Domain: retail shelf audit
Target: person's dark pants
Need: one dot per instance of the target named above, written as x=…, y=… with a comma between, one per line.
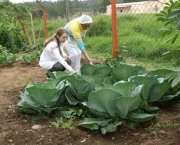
x=58, y=67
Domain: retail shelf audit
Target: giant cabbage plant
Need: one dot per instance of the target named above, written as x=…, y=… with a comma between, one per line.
x=110, y=94
x=42, y=98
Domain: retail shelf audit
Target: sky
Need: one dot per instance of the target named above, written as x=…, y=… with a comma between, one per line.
x=21, y=1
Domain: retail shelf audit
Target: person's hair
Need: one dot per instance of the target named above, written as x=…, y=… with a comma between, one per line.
x=55, y=36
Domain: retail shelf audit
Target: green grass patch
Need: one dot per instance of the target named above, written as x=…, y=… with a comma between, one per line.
x=138, y=36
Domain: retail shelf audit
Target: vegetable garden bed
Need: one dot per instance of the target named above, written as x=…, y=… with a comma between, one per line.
x=18, y=129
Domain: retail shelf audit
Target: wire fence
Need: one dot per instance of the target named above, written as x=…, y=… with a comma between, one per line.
x=138, y=28
x=139, y=32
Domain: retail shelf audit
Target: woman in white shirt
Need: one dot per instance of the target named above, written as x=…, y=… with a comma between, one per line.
x=53, y=57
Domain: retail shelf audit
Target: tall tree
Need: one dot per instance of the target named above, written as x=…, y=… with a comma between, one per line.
x=67, y=10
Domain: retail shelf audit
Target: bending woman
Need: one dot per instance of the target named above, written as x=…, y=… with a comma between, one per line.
x=76, y=29
x=53, y=57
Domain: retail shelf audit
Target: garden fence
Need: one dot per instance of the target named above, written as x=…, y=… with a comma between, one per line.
x=137, y=25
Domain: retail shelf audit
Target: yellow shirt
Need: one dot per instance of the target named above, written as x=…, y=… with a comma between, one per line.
x=76, y=29
x=76, y=32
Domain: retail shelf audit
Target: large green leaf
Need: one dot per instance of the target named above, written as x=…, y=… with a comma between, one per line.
x=175, y=82
x=102, y=101
x=48, y=85
x=101, y=122
x=94, y=79
x=151, y=108
x=123, y=105
x=83, y=96
x=29, y=101
x=166, y=98
x=88, y=69
x=43, y=96
x=160, y=73
x=80, y=85
x=48, y=110
x=26, y=99
x=95, y=112
x=178, y=20
x=81, y=88
x=147, y=83
x=123, y=72
x=57, y=74
x=170, y=76
x=110, y=127
x=141, y=117
x=157, y=91
x=106, y=86
x=109, y=80
x=61, y=85
x=174, y=14
x=71, y=99
x=127, y=89
x=140, y=70
x=104, y=71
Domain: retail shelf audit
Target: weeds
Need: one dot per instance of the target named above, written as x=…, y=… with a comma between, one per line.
x=67, y=125
x=123, y=137
x=11, y=108
x=162, y=126
x=57, y=123
x=132, y=125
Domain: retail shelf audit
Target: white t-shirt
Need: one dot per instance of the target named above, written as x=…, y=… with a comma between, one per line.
x=51, y=55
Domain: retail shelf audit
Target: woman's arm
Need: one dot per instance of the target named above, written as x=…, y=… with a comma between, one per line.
x=81, y=46
x=87, y=56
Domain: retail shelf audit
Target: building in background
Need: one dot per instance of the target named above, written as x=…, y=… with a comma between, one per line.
x=151, y=6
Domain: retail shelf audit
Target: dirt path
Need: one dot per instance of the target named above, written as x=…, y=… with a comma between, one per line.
x=16, y=129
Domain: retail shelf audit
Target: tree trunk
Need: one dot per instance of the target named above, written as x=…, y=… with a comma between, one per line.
x=67, y=10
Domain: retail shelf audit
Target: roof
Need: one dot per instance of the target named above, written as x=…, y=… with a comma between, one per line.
x=128, y=4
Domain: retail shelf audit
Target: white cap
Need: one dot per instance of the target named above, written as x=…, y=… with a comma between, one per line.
x=85, y=19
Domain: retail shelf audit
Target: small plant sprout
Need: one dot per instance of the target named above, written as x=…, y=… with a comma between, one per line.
x=30, y=80
x=123, y=136
x=58, y=122
x=132, y=125
x=11, y=108
x=68, y=125
x=151, y=128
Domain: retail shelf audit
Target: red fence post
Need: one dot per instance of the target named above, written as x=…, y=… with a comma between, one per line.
x=114, y=29
x=25, y=31
x=44, y=16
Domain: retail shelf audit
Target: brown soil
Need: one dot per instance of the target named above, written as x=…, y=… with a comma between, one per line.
x=17, y=130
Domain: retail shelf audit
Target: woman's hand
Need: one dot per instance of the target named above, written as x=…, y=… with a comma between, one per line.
x=67, y=57
x=90, y=62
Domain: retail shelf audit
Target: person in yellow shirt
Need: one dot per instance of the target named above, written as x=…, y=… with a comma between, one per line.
x=74, y=45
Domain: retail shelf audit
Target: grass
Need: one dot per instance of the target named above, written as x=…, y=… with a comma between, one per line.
x=150, y=64
x=138, y=37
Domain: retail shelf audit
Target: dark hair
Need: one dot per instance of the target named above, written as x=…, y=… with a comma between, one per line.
x=59, y=32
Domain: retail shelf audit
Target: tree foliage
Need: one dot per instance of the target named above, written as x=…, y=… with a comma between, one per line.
x=55, y=9
x=11, y=35
x=171, y=18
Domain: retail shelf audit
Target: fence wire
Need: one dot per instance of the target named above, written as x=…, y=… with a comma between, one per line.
x=138, y=28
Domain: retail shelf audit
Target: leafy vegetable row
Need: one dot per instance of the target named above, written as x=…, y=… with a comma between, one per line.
x=106, y=95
